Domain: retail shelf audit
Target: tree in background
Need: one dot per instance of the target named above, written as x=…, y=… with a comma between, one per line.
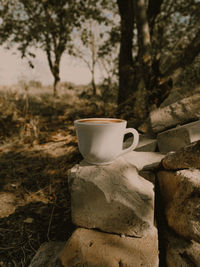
x=158, y=39
x=41, y=24
x=85, y=46
x=44, y=24
x=94, y=43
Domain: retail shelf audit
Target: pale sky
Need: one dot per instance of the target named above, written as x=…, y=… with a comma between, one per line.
x=13, y=69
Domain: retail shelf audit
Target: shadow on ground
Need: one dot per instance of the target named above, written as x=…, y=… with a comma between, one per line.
x=34, y=193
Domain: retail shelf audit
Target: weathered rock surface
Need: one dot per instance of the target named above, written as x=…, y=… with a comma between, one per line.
x=145, y=144
x=143, y=160
x=89, y=248
x=181, y=194
x=148, y=175
x=178, y=137
x=181, y=252
x=113, y=198
x=47, y=255
x=187, y=157
x=183, y=111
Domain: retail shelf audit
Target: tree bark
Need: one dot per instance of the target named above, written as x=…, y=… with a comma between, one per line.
x=153, y=10
x=144, y=41
x=126, y=44
x=93, y=64
x=93, y=84
x=54, y=68
x=144, y=55
x=56, y=80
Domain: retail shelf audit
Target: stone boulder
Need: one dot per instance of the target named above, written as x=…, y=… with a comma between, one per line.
x=176, y=138
x=113, y=198
x=47, y=255
x=181, y=252
x=187, y=157
x=89, y=248
x=180, y=112
x=180, y=191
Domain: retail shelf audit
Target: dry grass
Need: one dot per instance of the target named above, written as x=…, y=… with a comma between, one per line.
x=38, y=146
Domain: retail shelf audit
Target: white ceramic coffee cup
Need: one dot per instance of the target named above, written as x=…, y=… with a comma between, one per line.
x=100, y=140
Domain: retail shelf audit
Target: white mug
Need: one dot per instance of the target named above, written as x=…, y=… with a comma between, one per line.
x=100, y=140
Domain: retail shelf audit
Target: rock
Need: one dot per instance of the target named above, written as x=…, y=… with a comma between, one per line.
x=178, y=137
x=178, y=93
x=183, y=111
x=148, y=175
x=93, y=248
x=180, y=191
x=145, y=144
x=7, y=204
x=174, y=96
x=113, y=198
x=181, y=252
x=47, y=255
x=185, y=158
x=143, y=160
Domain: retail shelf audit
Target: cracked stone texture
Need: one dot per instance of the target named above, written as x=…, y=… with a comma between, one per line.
x=89, y=248
x=113, y=198
x=180, y=191
x=180, y=112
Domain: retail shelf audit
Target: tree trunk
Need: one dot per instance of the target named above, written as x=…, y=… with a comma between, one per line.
x=125, y=57
x=93, y=63
x=93, y=84
x=54, y=68
x=144, y=55
x=56, y=74
x=56, y=80
x=142, y=86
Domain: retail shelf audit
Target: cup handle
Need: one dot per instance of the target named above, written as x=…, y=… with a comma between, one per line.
x=135, y=140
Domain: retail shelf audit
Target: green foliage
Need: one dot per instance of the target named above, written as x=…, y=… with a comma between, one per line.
x=46, y=24
x=96, y=43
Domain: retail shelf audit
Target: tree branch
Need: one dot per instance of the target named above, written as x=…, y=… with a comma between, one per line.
x=153, y=10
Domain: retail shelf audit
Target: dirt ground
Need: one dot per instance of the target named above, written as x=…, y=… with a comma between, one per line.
x=38, y=146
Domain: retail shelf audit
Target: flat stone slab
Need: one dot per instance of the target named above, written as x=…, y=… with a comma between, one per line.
x=180, y=191
x=113, y=198
x=185, y=158
x=176, y=138
x=93, y=248
x=143, y=160
x=145, y=144
x=180, y=112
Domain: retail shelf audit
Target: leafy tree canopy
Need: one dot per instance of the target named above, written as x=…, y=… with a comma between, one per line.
x=45, y=24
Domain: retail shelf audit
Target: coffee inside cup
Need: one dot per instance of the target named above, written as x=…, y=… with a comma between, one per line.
x=100, y=121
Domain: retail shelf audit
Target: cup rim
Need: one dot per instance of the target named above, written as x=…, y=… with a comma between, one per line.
x=112, y=121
